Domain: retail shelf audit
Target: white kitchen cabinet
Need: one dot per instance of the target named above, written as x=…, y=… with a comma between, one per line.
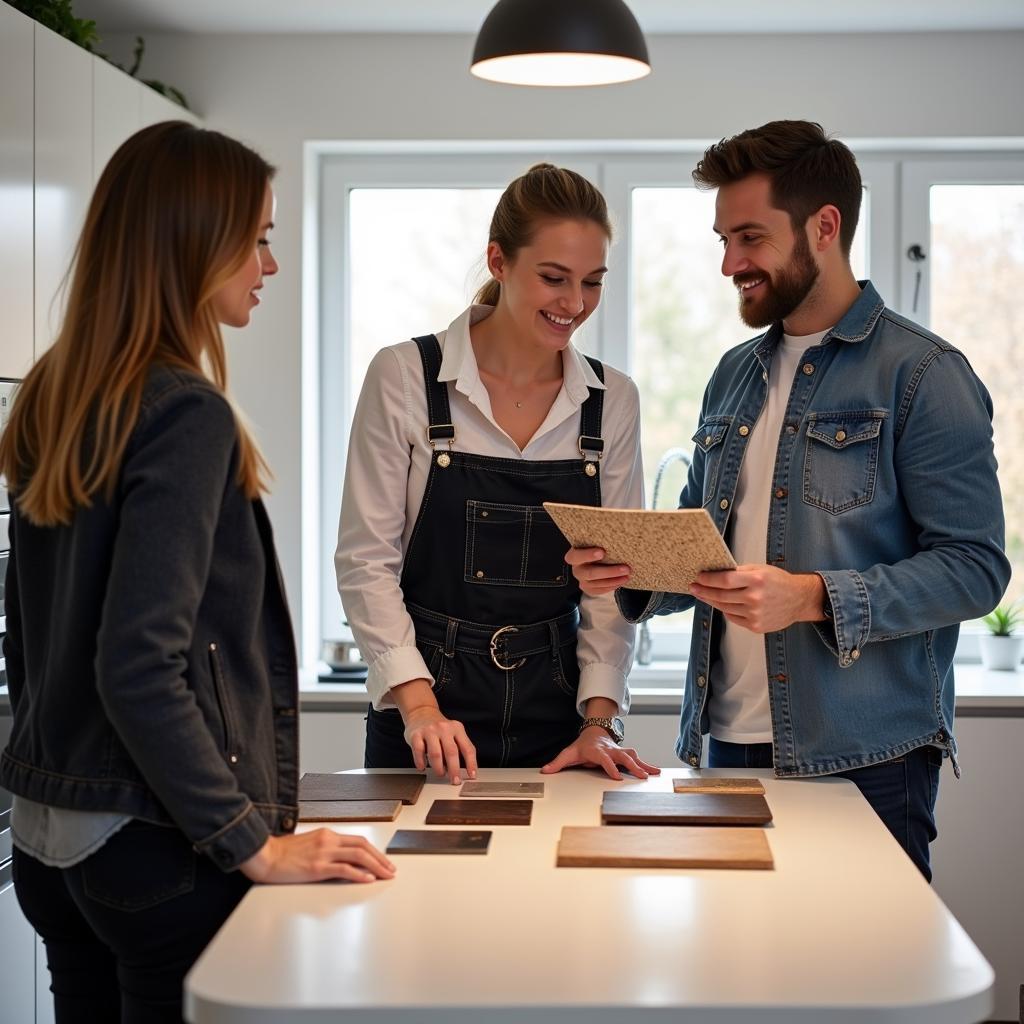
x=156, y=108
x=16, y=184
x=117, y=111
x=63, y=148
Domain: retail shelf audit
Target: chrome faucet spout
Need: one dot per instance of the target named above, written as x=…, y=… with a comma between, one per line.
x=643, y=645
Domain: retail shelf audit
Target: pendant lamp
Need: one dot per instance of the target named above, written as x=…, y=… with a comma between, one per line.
x=560, y=43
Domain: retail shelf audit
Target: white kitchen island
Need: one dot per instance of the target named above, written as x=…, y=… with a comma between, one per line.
x=843, y=930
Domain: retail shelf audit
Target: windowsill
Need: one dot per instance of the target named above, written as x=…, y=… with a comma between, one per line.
x=657, y=688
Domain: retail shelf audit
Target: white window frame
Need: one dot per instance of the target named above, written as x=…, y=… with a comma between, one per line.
x=897, y=181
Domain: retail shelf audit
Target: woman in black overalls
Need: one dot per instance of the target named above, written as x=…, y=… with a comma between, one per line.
x=483, y=578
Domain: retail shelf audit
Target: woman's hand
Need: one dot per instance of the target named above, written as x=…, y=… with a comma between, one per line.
x=594, y=748
x=595, y=579
x=315, y=857
x=439, y=742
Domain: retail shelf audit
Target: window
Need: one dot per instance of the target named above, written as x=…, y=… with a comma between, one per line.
x=967, y=217
x=401, y=236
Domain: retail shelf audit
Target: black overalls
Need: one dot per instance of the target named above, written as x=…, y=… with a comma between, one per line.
x=492, y=600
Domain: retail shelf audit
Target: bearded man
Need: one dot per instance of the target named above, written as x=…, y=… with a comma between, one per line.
x=846, y=456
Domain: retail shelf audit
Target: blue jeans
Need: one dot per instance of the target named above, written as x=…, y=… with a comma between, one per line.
x=901, y=792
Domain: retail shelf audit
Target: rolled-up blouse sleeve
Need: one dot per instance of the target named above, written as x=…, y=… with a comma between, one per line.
x=368, y=560
x=605, y=644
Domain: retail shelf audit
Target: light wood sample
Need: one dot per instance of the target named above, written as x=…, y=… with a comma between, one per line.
x=623, y=807
x=665, y=550
x=349, y=810
x=696, y=784
x=663, y=846
x=526, y=790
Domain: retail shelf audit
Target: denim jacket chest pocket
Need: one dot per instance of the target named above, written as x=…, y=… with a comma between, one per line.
x=708, y=439
x=841, y=458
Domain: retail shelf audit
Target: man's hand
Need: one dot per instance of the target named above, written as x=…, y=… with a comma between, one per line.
x=762, y=598
x=596, y=579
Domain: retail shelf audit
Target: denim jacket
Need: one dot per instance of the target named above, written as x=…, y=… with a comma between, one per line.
x=885, y=485
x=150, y=655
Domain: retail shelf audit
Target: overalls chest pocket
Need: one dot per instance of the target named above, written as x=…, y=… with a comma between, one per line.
x=841, y=458
x=708, y=439
x=513, y=546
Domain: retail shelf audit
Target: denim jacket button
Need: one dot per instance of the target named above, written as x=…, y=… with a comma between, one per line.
x=724, y=503
x=855, y=654
x=702, y=681
x=288, y=822
x=808, y=369
x=780, y=492
x=694, y=760
x=744, y=430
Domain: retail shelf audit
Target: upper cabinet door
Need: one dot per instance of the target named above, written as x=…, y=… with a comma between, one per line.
x=117, y=111
x=156, y=108
x=64, y=168
x=16, y=140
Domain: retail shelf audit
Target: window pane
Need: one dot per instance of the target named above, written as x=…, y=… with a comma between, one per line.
x=977, y=269
x=416, y=258
x=683, y=317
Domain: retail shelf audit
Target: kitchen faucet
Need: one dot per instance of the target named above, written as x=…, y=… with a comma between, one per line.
x=643, y=647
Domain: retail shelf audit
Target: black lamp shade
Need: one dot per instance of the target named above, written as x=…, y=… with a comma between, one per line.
x=560, y=42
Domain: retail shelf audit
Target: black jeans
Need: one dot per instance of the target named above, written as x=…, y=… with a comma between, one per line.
x=901, y=792
x=123, y=927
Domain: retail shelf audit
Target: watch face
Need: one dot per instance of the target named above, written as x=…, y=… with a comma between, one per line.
x=618, y=728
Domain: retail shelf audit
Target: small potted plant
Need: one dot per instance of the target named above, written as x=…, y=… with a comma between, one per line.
x=1001, y=647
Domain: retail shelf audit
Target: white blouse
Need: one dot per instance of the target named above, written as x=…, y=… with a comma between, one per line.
x=386, y=475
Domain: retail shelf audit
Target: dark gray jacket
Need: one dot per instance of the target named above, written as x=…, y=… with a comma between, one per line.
x=150, y=654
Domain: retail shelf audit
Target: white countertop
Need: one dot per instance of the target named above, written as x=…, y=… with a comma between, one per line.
x=843, y=931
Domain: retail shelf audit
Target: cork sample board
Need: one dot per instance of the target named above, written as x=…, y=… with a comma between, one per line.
x=480, y=812
x=406, y=788
x=664, y=846
x=622, y=807
x=349, y=810
x=489, y=790
x=665, y=550
x=751, y=787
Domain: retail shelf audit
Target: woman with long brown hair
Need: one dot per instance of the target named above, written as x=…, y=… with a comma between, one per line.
x=149, y=650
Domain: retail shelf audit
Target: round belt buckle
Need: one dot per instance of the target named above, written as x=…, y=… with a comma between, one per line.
x=494, y=649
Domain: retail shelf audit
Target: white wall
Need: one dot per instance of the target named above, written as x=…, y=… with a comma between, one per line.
x=275, y=92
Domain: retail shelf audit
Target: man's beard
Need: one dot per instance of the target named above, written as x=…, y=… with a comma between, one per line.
x=784, y=293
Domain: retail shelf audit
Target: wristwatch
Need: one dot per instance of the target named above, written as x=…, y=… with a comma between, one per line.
x=613, y=726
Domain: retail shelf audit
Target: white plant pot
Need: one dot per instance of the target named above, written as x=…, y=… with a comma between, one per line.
x=1002, y=652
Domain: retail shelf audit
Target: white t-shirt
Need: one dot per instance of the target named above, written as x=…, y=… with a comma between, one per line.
x=738, y=707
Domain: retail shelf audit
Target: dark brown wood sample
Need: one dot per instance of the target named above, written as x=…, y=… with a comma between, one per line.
x=696, y=784
x=623, y=807
x=663, y=846
x=349, y=810
x=480, y=812
x=314, y=786
x=407, y=840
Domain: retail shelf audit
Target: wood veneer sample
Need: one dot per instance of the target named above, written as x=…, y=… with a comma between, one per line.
x=753, y=787
x=314, y=786
x=349, y=810
x=663, y=846
x=496, y=789
x=480, y=812
x=623, y=807
x=407, y=840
